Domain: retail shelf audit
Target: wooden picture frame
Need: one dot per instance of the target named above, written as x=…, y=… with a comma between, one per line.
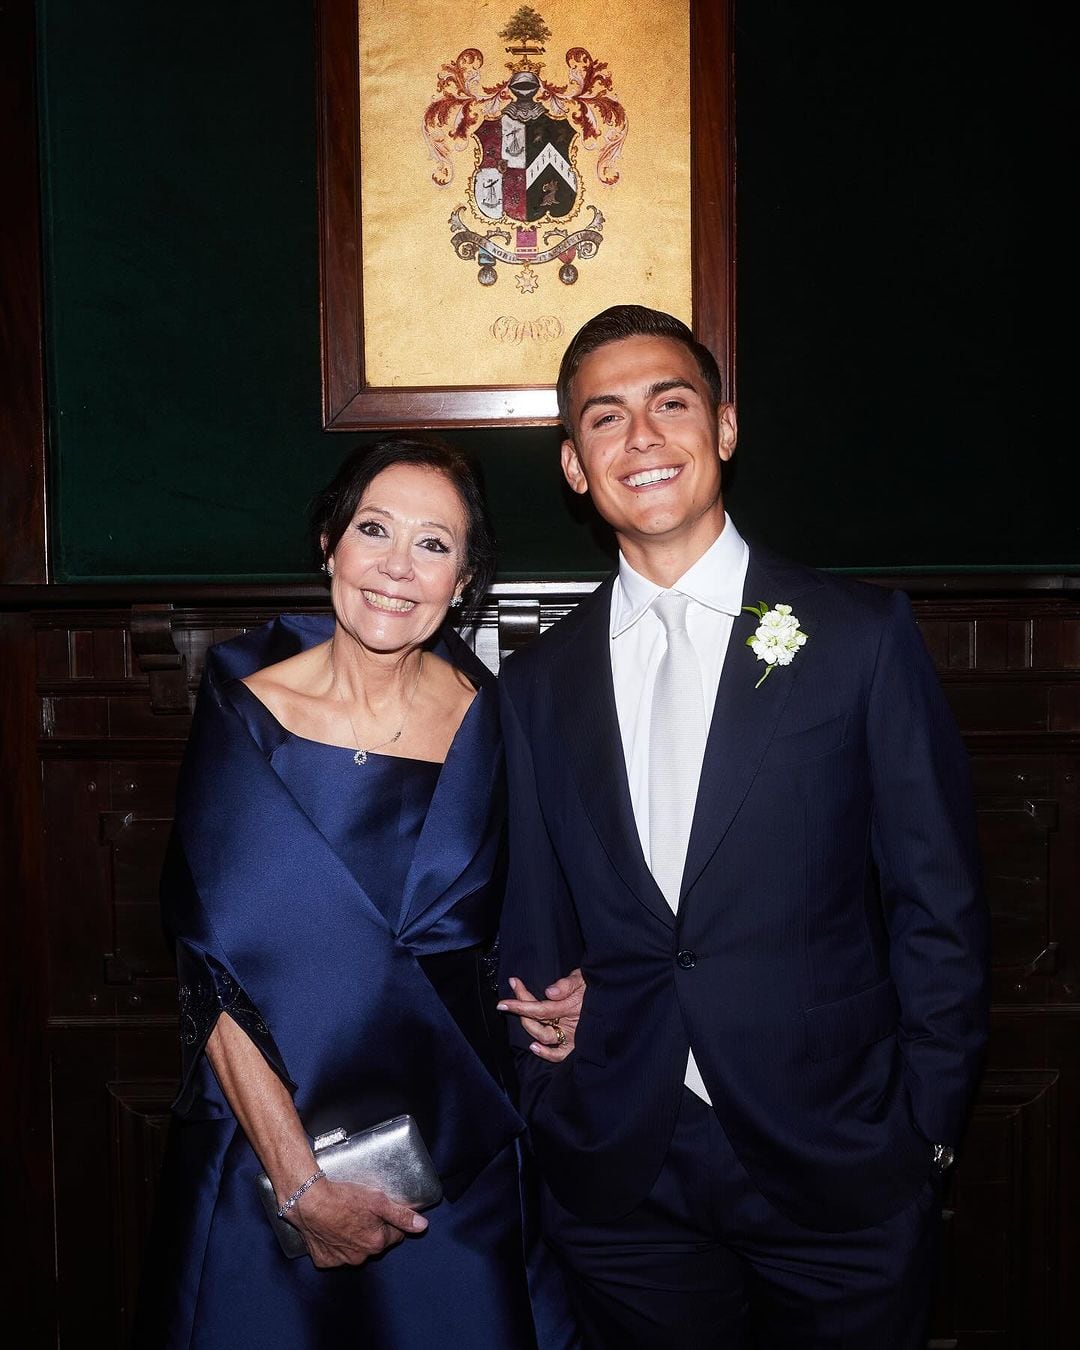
x=349, y=402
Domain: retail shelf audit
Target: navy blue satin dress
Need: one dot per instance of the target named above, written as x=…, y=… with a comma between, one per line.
x=342, y=915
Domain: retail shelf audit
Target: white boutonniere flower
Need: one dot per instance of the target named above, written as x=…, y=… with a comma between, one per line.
x=776, y=639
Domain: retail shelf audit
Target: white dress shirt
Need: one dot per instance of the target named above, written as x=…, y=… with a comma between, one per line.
x=714, y=587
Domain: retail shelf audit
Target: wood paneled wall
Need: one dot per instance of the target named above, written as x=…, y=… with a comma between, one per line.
x=96, y=711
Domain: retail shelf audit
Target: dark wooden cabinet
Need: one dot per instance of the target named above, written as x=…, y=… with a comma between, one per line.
x=1010, y=669
x=96, y=708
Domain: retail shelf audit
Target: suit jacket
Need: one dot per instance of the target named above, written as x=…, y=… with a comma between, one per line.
x=828, y=960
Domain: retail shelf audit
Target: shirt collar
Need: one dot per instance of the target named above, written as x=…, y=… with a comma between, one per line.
x=715, y=580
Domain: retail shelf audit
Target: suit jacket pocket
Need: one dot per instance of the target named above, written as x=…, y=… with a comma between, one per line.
x=850, y=1023
x=810, y=743
x=590, y=1040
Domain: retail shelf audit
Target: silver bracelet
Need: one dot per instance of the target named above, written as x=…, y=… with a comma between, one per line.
x=288, y=1204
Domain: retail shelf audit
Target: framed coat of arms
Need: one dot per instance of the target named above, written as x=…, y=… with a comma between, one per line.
x=491, y=176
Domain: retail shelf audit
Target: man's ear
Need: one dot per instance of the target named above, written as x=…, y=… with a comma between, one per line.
x=571, y=467
x=727, y=430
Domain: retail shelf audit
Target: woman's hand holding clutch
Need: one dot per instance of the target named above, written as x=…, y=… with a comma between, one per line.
x=343, y=1223
x=550, y=1021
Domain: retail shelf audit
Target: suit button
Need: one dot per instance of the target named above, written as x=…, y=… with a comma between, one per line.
x=687, y=959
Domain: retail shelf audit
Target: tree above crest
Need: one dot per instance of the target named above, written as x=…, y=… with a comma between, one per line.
x=526, y=26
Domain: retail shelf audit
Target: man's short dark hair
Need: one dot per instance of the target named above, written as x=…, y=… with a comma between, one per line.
x=626, y=321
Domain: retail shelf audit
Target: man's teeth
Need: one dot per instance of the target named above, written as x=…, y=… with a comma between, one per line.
x=648, y=476
x=398, y=605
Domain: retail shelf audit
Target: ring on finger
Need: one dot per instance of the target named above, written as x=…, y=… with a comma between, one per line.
x=559, y=1033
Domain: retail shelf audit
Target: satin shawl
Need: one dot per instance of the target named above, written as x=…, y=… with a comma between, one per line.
x=353, y=1025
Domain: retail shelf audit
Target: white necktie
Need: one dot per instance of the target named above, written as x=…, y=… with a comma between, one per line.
x=677, y=732
x=676, y=746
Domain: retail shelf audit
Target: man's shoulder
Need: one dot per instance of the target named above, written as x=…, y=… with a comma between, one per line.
x=791, y=581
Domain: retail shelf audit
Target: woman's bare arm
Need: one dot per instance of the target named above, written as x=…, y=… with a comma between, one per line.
x=343, y=1224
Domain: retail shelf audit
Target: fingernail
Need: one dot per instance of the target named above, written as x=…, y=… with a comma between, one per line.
x=500, y=1007
x=513, y=982
x=419, y=1223
x=534, y=1048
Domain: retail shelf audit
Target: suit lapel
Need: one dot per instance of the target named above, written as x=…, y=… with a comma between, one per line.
x=589, y=735
x=744, y=717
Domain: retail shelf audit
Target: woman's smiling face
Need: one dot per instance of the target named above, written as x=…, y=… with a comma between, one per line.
x=401, y=560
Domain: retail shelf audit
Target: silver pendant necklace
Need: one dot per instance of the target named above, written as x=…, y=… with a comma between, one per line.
x=360, y=758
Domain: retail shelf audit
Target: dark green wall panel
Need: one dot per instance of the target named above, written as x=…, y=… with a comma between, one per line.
x=184, y=371
x=903, y=395
x=896, y=408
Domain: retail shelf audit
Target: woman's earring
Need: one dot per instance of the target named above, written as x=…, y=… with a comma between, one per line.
x=456, y=601
x=328, y=569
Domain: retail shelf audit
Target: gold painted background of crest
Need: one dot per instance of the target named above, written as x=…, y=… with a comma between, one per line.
x=426, y=321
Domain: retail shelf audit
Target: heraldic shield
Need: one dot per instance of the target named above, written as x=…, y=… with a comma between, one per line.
x=525, y=171
x=526, y=132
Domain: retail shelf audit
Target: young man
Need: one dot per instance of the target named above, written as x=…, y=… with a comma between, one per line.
x=763, y=858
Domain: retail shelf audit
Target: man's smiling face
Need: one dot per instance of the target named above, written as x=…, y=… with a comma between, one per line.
x=648, y=443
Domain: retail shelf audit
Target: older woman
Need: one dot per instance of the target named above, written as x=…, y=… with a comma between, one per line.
x=333, y=886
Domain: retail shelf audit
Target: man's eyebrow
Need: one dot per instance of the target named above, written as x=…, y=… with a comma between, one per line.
x=660, y=387
x=598, y=400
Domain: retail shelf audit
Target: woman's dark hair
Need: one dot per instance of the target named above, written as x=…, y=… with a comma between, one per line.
x=333, y=509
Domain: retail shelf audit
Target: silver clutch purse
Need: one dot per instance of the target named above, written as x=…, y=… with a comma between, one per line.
x=390, y=1156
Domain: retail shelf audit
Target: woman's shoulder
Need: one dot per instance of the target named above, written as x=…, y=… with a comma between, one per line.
x=451, y=687
x=290, y=685
x=298, y=673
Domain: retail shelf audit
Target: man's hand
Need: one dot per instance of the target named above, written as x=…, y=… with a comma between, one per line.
x=550, y=1021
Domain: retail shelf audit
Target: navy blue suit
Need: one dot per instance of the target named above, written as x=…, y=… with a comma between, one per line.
x=827, y=962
